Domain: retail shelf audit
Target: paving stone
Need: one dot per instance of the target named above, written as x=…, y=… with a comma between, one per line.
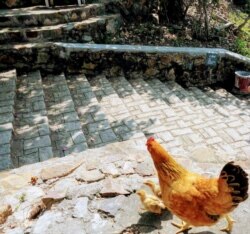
x=98, y=126
x=30, y=151
x=165, y=136
x=234, y=134
x=76, y=148
x=66, y=130
x=145, y=169
x=43, y=129
x=45, y=153
x=112, y=188
x=78, y=137
x=27, y=133
x=5, y=137
x=179, y=118
x=127, y=168
x=86, y=190
x=246, y=149
x=89, y=176
x=109, y=169
x=91, y=114
x=28, y=159
x=37, y=142
x=71, y=126
x=81, y=208
x=111, y=205
x=6, y=118
x=43, y=223
x=5, y=162
x=183, y=131
x=31, y=123
x=39, y=106
x=108, y=136
x=132, y=135
x=54, y=171
x=71, y=116
x=126, y=219
x=6, y=96
x=4, y=149
x=6, y=103
x=99, y=225
x=6, y=109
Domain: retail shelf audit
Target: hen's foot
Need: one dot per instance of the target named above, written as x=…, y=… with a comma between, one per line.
x=229, y=227
x=183, y=227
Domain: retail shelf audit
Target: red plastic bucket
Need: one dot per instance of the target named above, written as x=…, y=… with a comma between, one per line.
x=242, y=81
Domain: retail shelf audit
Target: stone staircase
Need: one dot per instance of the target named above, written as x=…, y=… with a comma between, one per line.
x=88, y=23
x=55, y=115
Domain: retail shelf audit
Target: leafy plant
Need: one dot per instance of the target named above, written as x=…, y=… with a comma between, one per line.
x=242, y=47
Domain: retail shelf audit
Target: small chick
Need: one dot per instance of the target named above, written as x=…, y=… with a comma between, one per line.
x=150, y=202
x=154, y=187
x=5, y=212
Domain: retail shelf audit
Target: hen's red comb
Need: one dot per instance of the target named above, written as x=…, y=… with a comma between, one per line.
x=150, y=139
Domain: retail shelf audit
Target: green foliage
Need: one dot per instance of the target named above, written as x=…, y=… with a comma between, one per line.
x=237, y=17
x=22, y=198
x=242, y=45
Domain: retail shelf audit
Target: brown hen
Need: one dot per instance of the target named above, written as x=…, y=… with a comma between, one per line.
x=195, y=199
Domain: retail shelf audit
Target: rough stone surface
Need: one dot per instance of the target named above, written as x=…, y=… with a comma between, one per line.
x=99, y=27
x=58, y=171
x=108, y=205
x=35, y=16
x=81, y=208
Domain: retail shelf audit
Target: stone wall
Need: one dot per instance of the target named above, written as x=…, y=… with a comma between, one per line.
x=130, y=10
x=189, y=66
x=23, y=3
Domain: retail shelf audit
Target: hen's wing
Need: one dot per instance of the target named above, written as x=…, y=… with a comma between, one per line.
x=232, y=189
x=216, y=196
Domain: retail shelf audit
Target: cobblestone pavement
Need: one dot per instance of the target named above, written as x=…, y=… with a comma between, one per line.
x=31, y=136
x=7, y=97
x=119, y=117
x=94, y=121
x=95, y=189
x=73, y=114
x=66, y=132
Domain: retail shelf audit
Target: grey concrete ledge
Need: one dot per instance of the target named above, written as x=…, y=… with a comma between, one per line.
x=74, y=47
x=70, y=47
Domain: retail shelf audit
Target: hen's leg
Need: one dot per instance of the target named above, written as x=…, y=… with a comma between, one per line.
x=183, y=227
x=230, y=222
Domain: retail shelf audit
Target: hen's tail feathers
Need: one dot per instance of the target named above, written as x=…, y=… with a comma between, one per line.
x=237, y=179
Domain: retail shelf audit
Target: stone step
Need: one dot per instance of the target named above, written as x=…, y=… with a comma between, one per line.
x=206, y=118
x=93, y=119
x=7, y=99
x=65, y=127
x=31, y=141
x=152, y=115
x=42, y=16
x=83, y=31
x=230, y=108
x=230, y=102
x=120, y=119
x=221, y=129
